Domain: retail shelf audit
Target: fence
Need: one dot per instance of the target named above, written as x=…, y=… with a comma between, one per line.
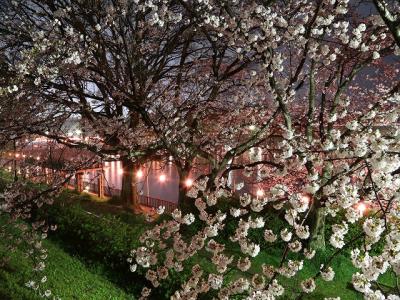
x=93, y=187
x=154, y=202
x=109, y=191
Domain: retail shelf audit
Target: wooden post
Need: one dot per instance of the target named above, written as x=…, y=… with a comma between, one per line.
x=100, y=181
x=79, y=182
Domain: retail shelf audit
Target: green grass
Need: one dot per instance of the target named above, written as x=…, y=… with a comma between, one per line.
x=68, y=278
x=340, y=286
x=96, y=267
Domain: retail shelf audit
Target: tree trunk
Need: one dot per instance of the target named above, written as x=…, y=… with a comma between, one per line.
x=317, y=240
x=15, y=162
x=129, y=192
x=317, y=215
x=183, y=201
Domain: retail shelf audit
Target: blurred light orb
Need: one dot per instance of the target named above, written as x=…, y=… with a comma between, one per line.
x=189, y=182
x=361, y=207
x=162, y=178
x=260, y=193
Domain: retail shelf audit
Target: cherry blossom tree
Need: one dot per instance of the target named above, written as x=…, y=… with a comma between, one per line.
x=100, y=62
x=389, y=12
x=331, y=157
x=311, y=83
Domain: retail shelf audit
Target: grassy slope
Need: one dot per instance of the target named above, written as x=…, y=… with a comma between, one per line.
x=68, y=278
x=340, y=286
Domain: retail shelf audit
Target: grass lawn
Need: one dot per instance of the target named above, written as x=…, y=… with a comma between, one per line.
x=340, y=286
x=68, y=278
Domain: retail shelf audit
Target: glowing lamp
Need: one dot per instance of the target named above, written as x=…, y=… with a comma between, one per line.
x=305, y=199
x=139, y=174
x=120, y=171
x=38, y=158
x=252, y=127
x=260, y=193
x=188, y=182
x=162, y=178
x=361, y=207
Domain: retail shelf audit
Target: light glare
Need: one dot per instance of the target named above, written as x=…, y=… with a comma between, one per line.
x=162, y=178
x=361, y=207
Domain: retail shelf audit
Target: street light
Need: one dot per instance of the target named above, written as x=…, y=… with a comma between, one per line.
x=162, y=178
x=188, y=182
x=305, y=198
x=361, y=207
x=139, y=173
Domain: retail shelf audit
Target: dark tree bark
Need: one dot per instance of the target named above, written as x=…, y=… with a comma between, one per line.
x=184, y=203
x=129, y=192
x=15, y=161
x=389, y=18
